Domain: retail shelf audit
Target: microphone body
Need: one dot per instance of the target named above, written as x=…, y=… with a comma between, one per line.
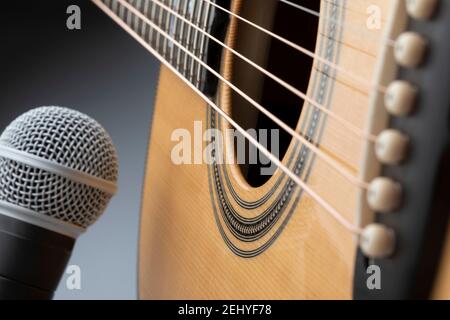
x=32, y=260
x=58, y=171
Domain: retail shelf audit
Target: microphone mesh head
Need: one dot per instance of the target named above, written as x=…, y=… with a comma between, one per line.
x=68, y=138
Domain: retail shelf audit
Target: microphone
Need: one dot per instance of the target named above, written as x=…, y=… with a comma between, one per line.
x=58, y=171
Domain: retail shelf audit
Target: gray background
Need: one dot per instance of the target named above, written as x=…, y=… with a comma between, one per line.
x=101, y=71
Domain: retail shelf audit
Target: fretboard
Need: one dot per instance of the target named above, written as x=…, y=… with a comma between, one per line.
x=199, y=12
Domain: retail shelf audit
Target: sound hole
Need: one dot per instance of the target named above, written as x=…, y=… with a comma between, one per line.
x=285, y=62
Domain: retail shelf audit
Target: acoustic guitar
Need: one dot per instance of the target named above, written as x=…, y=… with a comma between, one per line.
x=299, y=148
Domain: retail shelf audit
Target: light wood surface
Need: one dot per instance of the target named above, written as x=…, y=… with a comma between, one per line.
x=182, y=254
x=442, y=283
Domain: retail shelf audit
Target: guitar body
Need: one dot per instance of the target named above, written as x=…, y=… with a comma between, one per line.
x=441, y=290
x=182, y=253
x=206, y=233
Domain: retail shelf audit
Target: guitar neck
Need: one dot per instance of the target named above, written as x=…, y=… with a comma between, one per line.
x=200, y=13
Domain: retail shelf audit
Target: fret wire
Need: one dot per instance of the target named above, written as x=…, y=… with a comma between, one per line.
x=135, y=19
x=180, y=56
x=195, y=64
x=203, y=41
x=158, y=16
x=163, y=42
x=163, y=26
x=173, y=29
x=181, y=23
x=130, y=16
x=167, y=19
x=138, y=21
x=164, y=19
x=195, y=48
x=121, y=11
x=145, y=27
x=187, y=36
x=192, y=6
x=152, y=18
x=179, y=34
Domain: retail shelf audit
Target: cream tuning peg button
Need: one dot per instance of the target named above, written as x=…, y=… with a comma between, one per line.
x=421, y=9
x=377, y=241
x=410, y=49
x=391, y=147
x=400, y=98
x=384, y=195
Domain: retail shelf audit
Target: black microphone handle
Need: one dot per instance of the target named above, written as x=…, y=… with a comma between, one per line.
x=32, y=260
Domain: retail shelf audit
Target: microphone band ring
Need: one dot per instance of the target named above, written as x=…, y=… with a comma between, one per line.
x=40, y=220
x=56, y=168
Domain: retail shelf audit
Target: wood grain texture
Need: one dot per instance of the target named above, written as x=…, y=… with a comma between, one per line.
x=182, y=254
x=442, y=283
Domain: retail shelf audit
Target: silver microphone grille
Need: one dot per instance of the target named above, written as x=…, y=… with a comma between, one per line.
x=70, y=139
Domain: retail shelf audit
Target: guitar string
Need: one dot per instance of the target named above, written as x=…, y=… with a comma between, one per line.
x=344, y=25
x=333, y=212
x=356, y=130
x=361, y=80
x=322, y=155
x=348, y=125
x=325, y=35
